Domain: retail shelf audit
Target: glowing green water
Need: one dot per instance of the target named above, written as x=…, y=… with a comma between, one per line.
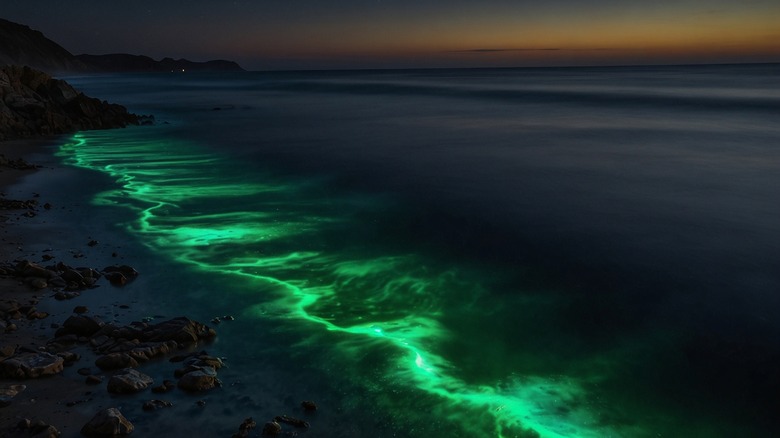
x=205, y=211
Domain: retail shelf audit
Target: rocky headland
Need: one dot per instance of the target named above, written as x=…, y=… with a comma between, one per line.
x=32, y=104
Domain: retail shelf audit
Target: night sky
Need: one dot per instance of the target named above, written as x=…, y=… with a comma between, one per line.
x=314, y=34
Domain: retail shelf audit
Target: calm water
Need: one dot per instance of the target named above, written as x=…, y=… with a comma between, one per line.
x=566, y=252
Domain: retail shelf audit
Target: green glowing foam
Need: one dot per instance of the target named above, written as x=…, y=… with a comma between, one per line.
x=200, y=209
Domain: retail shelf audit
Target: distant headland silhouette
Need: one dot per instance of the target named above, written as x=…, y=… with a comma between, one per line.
x=21, y=45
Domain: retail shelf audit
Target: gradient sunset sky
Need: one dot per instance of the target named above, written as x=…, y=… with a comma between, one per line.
x=320, y=34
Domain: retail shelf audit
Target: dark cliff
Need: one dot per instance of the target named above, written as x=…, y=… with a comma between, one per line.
x=32, y=103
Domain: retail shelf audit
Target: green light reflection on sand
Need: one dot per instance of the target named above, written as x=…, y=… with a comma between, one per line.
x=191, y=206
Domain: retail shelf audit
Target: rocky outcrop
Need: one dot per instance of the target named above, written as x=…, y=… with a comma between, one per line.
x=32, y=103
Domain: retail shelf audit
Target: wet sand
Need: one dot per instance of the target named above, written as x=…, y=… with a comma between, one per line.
x=43, y=399
x=53, y=400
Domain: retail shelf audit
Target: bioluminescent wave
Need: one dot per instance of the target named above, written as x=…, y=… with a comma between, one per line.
x=203, y=210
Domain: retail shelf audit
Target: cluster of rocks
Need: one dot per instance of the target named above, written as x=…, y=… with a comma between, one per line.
x=37, y=429
x=108, y=422
x=274, y=427
x=17, y=163
x=12, y=310
x=31, y=205
x=32, y=103
x=17, y=204
x=66, y=281
x=121, y=349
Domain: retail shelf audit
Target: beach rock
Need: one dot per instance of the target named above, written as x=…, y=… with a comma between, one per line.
x=128, y=381
x=204, y=360
x=61, y=296
x=116, y=278
x=69, y=357
x=291, y=421
x=34, y=314
x=7, y=393
x=153, y=405
x=272, y=428
x=115, y=361
x=10, y=309
x=57, y=282
x=199, y=380
x=93, y=380
x=39, y=429
x=37, y=283
x=245, y=427
x=182, y=330
x=25, y=268
x=128, y=271
x=80, y=309
x=166, y=386
x=7, y=351
x=31, y=365
x=106, y=423
x=72, y=276
x=80, y=325
x=309, y=406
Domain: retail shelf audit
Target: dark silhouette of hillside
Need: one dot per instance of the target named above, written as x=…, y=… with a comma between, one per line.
x=121, y=62
x=21, y=45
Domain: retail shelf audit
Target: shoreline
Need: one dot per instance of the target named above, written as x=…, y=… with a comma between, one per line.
x=42, y=398
x=36, y=320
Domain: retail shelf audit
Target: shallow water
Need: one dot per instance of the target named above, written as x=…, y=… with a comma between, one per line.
x=575, y=252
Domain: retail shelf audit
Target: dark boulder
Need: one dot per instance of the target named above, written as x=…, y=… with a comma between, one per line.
x=31, y=365
x=106, y=423
x=115, y=361
x=182, y=330
x=129, y=381
x=201, y=379
x=80, y=325
x=153, y=405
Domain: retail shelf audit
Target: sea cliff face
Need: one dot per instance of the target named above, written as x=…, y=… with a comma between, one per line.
x=32, y=103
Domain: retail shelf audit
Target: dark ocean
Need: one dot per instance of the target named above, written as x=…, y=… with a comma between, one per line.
x=583, y=252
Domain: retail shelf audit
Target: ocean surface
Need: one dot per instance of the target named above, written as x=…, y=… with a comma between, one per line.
x=584, y=252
